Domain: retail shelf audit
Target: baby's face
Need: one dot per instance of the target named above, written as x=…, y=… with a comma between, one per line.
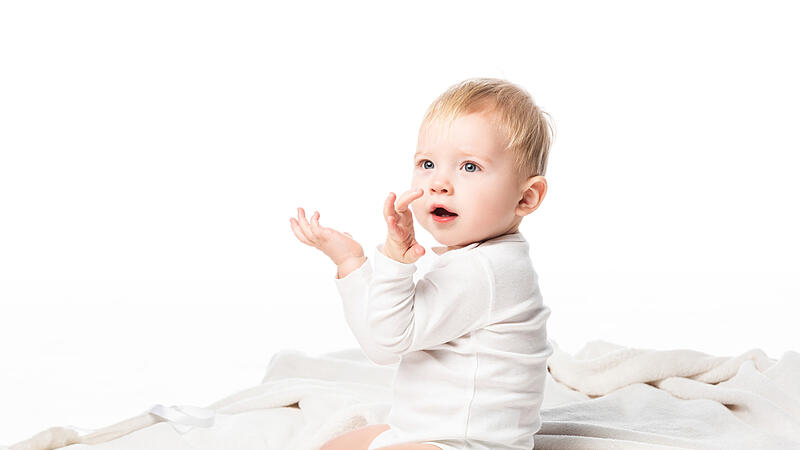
x=466, y=170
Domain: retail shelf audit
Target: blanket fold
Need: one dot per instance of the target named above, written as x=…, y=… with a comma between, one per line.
x=604, y=396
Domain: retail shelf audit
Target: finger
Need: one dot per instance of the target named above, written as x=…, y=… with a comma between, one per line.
x=315, y=227
x=348, y=235
x=398, y=232
x=299, y=233
x=388, y=206
x=394, y=230
x=407, y=198
x=304, y=226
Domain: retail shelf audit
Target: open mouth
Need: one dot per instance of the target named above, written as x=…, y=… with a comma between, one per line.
x=442, y=212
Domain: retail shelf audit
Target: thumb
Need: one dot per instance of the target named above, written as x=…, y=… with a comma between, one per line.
x=413, y=253
x=348, y=234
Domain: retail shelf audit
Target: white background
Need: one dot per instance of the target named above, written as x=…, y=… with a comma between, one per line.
x=152, y=152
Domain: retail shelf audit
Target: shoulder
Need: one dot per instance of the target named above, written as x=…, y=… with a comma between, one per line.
x=468, y=263
x=511, y=269
x=499, y=258
x=466, y=273
x=516, y=282
x=503, y=255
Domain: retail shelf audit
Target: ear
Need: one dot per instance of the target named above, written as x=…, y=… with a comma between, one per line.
x=534, y=190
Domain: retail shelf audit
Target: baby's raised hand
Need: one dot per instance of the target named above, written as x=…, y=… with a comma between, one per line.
x=340, y=247
x=400, y=242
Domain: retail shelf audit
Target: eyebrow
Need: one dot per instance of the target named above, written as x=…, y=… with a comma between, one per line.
x=462, y=153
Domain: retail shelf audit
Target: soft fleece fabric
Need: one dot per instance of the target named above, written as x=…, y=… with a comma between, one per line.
x=605, y=396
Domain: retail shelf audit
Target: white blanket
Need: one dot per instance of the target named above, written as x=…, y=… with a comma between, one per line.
x=605, y=396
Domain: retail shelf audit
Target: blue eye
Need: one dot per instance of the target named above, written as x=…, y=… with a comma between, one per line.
x=469, y=167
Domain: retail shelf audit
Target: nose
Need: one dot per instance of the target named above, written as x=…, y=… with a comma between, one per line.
x=441, y=186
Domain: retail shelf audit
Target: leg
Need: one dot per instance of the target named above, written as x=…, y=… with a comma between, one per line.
x=358, y=439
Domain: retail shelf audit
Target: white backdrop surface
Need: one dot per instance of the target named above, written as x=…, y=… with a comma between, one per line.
x=152, y=153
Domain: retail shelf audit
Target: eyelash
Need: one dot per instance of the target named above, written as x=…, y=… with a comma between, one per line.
x=422, y=161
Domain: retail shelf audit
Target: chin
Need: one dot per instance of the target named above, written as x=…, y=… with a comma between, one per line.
x=444, y=239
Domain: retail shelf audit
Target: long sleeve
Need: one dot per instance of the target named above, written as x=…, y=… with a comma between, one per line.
x=452, y=299
x=354, y=290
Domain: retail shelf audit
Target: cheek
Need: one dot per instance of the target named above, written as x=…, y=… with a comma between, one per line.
x=417, y=208
x=493, y=204
x=418, y=183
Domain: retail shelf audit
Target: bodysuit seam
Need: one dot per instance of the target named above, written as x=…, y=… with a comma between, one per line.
x=474, y=382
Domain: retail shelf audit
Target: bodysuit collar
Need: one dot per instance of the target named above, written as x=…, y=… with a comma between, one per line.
x=510, y=237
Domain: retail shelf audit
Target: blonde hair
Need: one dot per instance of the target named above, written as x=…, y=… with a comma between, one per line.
x=524, y=124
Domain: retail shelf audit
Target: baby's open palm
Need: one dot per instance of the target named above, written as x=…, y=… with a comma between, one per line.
x=338, y=246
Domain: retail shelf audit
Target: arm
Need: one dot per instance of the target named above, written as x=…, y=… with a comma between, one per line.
x=352, y=278
x=450, y=301
x=355, y=276
x=353, y=286
x=349, y=266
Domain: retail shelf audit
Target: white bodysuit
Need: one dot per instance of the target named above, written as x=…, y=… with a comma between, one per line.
x=470, y=338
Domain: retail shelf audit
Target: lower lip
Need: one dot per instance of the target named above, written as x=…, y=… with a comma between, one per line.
x=441, y=219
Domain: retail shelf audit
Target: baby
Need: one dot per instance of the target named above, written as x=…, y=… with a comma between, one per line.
x=470, y=336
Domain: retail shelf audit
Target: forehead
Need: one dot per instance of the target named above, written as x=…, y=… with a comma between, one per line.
x=475, y=133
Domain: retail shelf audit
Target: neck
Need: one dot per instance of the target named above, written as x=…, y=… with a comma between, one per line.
x=443, y=250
